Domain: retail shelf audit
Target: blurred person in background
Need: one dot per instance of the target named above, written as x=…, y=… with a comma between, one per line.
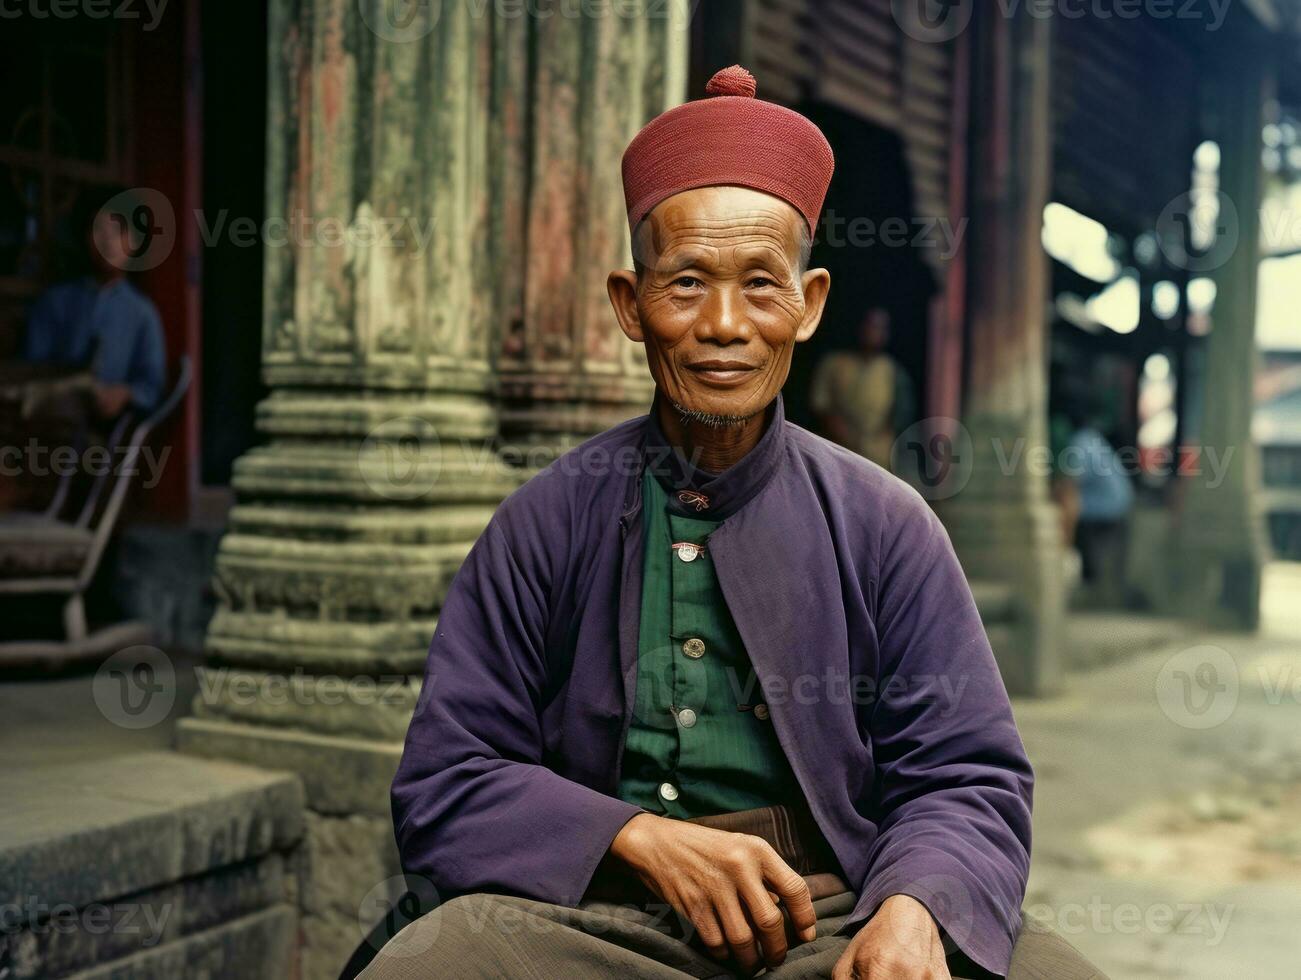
x=1063, y=487
x=100, y=324
x=94, y=349
x=1106, y=498
x=863, y=398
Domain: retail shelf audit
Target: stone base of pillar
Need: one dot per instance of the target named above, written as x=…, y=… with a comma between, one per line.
x=1017, y=543
x=340, y=775
x=1006, y=530
x=1218, y=560
x=543, y=415
x=351, y=523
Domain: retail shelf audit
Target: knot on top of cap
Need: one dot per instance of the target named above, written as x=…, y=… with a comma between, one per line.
x=732, y=81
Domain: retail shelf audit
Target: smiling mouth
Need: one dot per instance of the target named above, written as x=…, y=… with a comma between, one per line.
x=722, y=373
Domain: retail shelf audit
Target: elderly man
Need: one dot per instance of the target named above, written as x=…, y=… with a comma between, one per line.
x=710, y=694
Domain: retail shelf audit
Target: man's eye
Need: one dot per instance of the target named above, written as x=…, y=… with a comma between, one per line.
x=761, y=282
x=686, y=282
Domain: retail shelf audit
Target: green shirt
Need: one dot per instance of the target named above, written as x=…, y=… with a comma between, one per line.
x=700, y=740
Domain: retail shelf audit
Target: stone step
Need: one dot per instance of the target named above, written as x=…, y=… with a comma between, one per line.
x=148, y=859
x=257, y=945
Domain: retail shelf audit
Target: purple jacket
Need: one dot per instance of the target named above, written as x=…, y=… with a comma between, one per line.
x=860, y=625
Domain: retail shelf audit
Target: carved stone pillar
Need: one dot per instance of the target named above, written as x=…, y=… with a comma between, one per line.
x=440, y=176
x=566, y=370
x=1003, y=523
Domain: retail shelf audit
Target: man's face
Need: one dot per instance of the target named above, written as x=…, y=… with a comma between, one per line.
x=721, y=303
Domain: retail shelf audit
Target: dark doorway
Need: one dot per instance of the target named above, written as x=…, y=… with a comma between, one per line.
x=867, y=240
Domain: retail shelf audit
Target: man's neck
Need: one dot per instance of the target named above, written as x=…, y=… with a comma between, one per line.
x=711, y=447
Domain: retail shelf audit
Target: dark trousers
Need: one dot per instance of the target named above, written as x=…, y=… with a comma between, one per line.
x=622, y=930
x=1103, y=547
x=491, y=936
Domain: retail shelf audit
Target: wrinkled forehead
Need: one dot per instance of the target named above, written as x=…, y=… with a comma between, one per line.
x=719, y=218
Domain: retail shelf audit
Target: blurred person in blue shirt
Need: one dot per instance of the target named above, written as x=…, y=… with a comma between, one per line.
x=102, y=324
x=93, y=350
x=1106, y=493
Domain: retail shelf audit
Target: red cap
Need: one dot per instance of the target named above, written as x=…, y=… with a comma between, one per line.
x=731, y=138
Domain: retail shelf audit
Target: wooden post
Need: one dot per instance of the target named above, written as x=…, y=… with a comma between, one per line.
x=1003, y=523
x=1220, y=536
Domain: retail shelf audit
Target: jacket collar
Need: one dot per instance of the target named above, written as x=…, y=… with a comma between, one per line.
x=694, y=492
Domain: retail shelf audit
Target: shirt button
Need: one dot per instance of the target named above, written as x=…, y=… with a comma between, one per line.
x=761, y=712
x=688, y=551
x=694, y=648
x=668, y=791
x=686, y=718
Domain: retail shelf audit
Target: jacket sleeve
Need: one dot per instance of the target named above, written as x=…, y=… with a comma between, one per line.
x=952, y=778
x=474, y=808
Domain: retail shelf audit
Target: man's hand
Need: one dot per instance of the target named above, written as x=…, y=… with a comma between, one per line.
x=900, y=942
x=727, y=884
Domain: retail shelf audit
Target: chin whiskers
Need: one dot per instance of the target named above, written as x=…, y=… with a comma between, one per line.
x=710, y=419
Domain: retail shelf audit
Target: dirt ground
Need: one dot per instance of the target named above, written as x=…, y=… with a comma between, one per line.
x=1168, y=803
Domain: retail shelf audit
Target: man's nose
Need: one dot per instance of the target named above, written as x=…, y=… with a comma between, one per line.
x=724, y=318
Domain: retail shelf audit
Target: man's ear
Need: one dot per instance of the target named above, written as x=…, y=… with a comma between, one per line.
x=816, y=283
x=621, y=284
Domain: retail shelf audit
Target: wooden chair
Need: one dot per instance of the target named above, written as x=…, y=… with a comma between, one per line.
x=46, y=553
